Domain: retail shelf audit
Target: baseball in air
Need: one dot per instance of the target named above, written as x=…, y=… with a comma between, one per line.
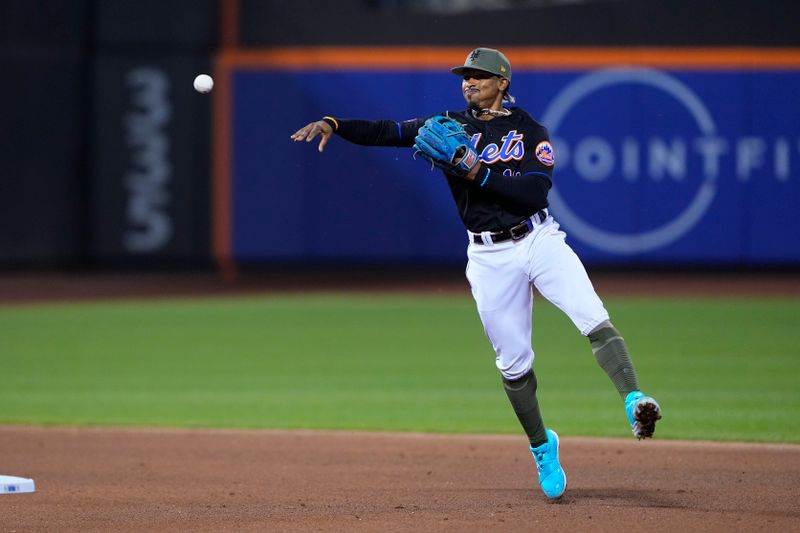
x=203, y=83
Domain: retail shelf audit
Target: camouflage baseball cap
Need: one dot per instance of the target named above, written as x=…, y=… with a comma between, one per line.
x=488, y=60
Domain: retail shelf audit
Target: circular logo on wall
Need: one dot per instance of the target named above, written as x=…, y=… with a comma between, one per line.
x=593, y=157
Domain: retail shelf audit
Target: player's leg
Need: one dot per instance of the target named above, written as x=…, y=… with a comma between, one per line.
x=502, y=292
x=522, y=395
x=612, y=355
x=611, y=352
x=560, y=276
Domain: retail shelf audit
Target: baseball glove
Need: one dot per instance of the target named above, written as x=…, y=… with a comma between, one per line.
x=443, y=142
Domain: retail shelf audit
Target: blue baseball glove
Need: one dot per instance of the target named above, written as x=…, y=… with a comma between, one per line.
x=443, y=142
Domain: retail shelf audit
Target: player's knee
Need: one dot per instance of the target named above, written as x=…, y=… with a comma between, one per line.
x=527, y=380
x=515, y=370
x=602, y=333
x=605, y=324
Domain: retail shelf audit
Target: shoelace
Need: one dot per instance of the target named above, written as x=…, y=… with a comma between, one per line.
x=540, y=457
x=414, y=157
x=461, y=131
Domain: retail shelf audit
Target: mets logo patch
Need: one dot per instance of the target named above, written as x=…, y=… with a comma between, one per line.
x=544, y=153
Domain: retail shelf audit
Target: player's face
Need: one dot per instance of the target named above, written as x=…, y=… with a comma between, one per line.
x=482, y=89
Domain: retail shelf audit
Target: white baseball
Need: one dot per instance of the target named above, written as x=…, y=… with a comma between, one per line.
x=203, y=83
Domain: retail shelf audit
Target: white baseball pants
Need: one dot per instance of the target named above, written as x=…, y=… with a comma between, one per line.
x=501, y=276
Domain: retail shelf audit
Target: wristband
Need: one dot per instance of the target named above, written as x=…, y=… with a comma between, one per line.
x=332, y=122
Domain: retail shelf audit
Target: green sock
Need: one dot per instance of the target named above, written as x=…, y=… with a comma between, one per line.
x=522, y=394
x=612, y=355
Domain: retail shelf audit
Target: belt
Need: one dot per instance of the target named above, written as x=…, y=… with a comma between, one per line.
x=514, y=233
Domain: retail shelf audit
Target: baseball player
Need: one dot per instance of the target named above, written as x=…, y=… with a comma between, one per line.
x=498, y=162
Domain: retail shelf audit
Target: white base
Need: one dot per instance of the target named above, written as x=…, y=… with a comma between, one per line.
x=16, y=485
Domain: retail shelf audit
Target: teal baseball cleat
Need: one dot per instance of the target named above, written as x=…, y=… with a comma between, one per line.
x=552, y=478
x=643, y=412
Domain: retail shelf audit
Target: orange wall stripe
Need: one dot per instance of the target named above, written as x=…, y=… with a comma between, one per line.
x=522, y=58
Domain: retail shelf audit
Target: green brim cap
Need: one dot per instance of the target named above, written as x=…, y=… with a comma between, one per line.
x=488, y=60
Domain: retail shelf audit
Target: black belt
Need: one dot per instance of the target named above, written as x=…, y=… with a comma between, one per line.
x=514, y=233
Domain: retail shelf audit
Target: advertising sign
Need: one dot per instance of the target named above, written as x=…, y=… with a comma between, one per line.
x=151, y=159
x=661, y=158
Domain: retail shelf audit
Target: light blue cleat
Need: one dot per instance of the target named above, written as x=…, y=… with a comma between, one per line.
x=551, y=476
x=643, y=412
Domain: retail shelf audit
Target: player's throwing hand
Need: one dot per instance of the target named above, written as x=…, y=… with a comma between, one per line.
x=310, y=131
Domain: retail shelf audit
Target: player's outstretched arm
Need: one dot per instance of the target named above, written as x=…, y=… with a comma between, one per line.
x=363, y=132
x=310, y=131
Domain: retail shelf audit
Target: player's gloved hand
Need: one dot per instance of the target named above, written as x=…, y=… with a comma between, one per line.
x=443, y=142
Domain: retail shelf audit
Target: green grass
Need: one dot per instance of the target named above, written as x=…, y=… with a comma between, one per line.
x=721, y=368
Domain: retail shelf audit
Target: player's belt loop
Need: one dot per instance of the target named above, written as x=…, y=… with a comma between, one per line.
x=486, y=238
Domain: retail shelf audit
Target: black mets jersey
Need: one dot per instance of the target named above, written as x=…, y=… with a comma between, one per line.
x=516, y=164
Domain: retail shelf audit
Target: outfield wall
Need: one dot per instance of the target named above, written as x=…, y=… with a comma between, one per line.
x=106, y=157
x=682, y=157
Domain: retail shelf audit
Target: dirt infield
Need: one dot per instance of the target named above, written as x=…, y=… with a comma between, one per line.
x=221, y=480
